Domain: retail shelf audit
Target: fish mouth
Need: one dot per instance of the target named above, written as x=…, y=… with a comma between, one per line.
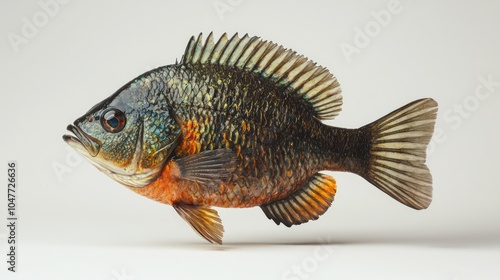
x=88, y=145
x=82, y=141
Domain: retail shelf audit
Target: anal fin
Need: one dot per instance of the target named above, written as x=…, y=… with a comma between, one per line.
x=307, y=203
x=204, y=220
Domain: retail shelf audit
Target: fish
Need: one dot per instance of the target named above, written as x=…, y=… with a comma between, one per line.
x=239, y=122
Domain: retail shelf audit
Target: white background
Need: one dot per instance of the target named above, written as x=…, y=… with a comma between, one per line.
x=82, y=225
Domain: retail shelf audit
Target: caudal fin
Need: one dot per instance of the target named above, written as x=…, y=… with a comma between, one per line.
x=398, y=151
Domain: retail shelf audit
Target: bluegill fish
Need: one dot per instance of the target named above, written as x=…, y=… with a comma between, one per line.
x=237, y=123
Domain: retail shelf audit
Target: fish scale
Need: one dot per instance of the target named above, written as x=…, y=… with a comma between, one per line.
x=280, y=128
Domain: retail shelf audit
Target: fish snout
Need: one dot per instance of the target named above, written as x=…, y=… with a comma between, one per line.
x=80, y=140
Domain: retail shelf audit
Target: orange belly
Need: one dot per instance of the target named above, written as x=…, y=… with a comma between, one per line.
x=243, y=189
x=169, y=189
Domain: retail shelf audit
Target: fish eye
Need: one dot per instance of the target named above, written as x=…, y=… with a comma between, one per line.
x=113, y=120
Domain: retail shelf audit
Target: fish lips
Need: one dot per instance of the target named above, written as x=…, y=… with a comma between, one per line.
x=82, y=140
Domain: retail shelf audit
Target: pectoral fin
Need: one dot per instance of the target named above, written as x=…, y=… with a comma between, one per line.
x=204, y=220
x=208, y=167
x=307, y=203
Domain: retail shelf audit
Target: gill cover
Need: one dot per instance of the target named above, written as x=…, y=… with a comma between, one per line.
x=132, y=134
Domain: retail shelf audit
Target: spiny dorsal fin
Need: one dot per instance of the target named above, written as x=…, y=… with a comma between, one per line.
x=313, y=83
x=308, y=203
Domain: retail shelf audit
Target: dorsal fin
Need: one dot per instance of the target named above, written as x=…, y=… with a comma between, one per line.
x=313, y=83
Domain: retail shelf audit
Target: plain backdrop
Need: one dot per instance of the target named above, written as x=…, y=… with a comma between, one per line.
x=58, y=59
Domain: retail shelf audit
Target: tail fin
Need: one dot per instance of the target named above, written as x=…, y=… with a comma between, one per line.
x=398, y=151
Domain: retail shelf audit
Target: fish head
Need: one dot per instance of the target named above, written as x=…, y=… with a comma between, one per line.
x=128, y=136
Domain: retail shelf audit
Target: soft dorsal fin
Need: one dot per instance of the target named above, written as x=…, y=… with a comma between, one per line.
x=313, y=83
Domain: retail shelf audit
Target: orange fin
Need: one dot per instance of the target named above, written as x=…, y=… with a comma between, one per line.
x=204, y=220
x=307, y=203
x=208, y=167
